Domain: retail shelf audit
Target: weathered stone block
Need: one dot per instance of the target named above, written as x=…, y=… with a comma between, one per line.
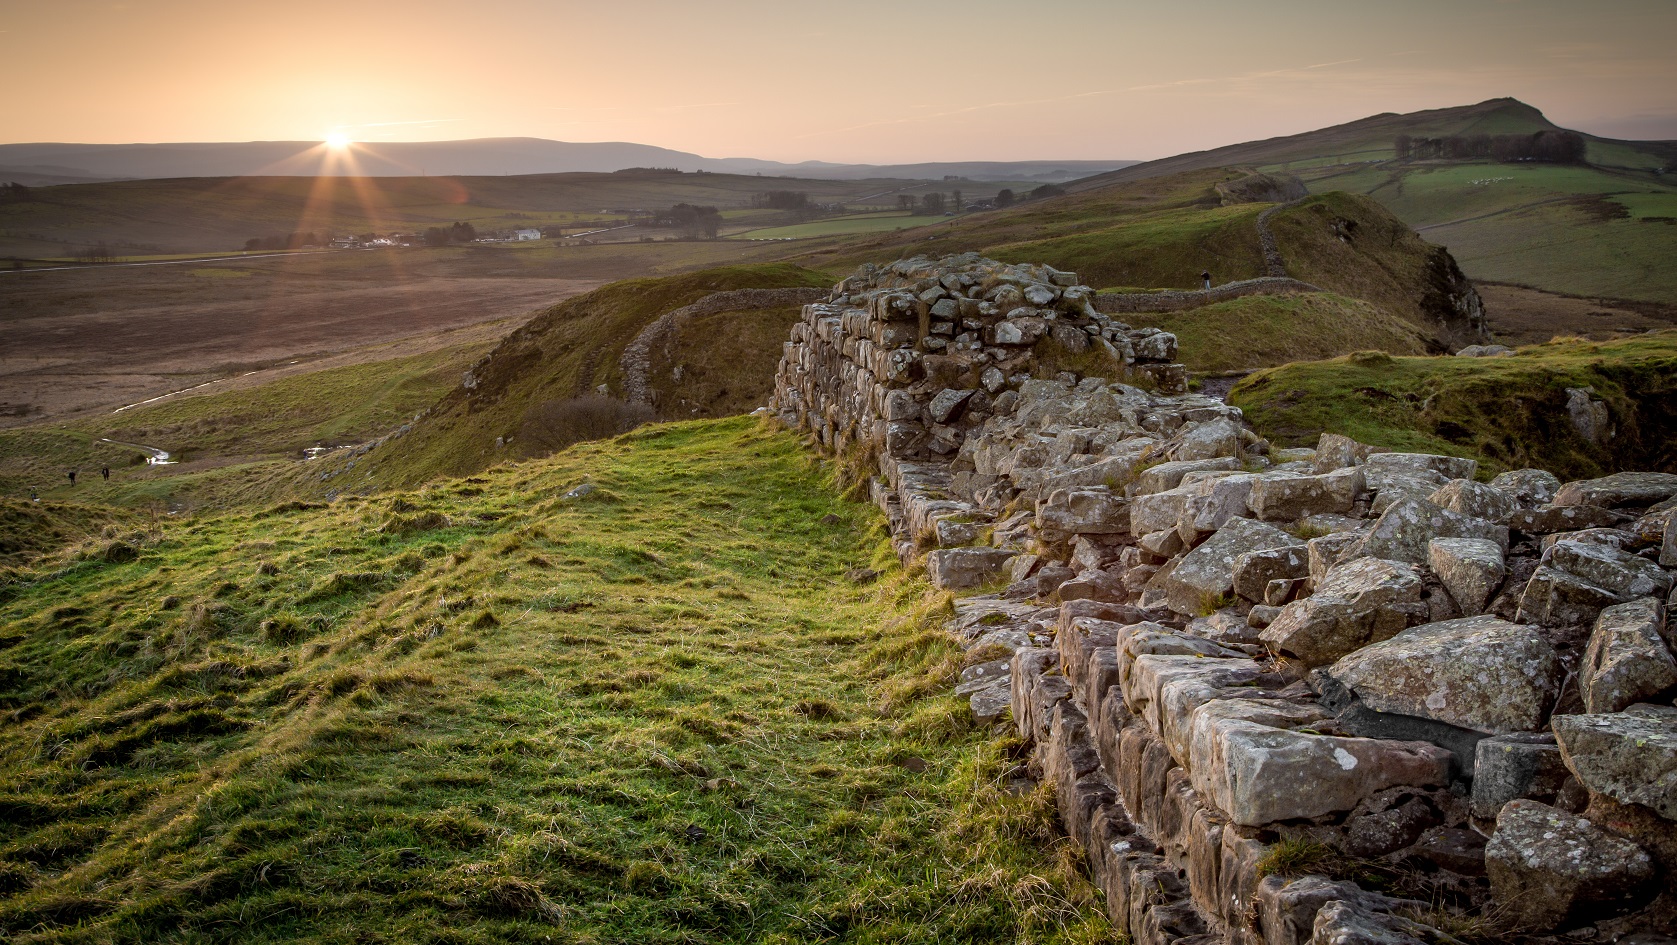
x=1627, y=660
x=1633, y=489
x=1629, y=756
x=1404, y=531
x=1359, y=602
x=1509, y=767
x=1479, y=673
x=1207, y=572
x=1471, y=569
x=1258, y=774
x=1292, y=498
x=1069, y=512
x=1256, y=570
x=957, y=569
x=1549, y=867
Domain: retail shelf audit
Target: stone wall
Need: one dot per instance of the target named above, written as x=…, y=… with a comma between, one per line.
x=1222, y=652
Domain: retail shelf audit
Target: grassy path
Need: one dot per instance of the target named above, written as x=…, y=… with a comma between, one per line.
x=497, y=711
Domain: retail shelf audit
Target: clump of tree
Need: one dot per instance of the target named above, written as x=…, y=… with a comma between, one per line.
x=781, y=200
x=1046, y=190
x=14, y=192
x=1004, y=198
x=555, y=424
x=454, y=233
x=932, y=203
x=693, y=221
x=1558, y=147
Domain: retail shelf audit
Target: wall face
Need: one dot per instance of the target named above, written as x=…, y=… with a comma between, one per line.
x=1242, y=667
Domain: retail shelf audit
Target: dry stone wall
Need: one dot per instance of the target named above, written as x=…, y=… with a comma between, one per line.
x=1221, y=652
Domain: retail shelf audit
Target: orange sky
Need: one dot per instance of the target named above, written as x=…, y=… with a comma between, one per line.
x=843, y=80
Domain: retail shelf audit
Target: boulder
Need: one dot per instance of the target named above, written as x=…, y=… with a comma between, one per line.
x=1207, y=573
x=1480, y=673
x=1169, y=475
x=1509, y=767
x=1257, y=773
x=1629, y=756
x=1404, y=530
x=1069, y=512
x=1625, y=489
x=1556, y=598
x=1476, y=500
x=1471, y=569
x=1627, y=660
x=1450, y=467
x=1093, y=584
x=956, y=569
x=1329, y=550
x=1532, y=487
x=1359, y=602
x=1288, y=499
x=1349, y=923
x=1618, y=572
x=1209, y=440
x=1551, y=519
x=1254, y=570
x=949, y=404
x=1549, y=868
x=1337, y=452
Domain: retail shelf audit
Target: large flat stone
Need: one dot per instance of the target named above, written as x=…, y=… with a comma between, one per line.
x=1257, y=773
x=957, y=569
x=1612, y=569
x=1619, y=490
x=1292, y=498
x=1481, y=673
x=1450, y=467
x=1069, y=512
x=1629, y=756
x=1477, y=500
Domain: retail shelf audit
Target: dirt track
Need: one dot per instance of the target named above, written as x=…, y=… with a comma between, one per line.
x=95, y=340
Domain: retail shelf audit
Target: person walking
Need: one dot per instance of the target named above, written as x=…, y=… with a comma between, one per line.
x=106, y=472
x=72, y=478
x=1205, y=277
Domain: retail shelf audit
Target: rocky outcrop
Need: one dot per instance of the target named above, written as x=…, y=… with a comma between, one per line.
x=1216, y=646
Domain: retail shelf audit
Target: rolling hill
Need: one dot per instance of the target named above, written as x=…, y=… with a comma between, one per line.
x=1600, y=228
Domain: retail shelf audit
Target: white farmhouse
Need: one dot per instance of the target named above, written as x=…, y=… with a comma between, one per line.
x=522, y=235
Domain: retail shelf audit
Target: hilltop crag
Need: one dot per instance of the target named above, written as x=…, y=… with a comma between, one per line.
x=1294, y=696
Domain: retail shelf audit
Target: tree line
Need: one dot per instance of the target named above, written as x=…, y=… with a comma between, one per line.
x=693, y=221
x=1559, y=147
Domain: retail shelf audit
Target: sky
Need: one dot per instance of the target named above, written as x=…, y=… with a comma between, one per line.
x=856, y=81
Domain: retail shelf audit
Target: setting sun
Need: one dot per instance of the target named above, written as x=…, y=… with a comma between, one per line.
x=337, y=141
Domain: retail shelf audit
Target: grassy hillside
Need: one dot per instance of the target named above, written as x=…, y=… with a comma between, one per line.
x=1268, y=330
x=1597, y=229
x=1506, y=412
x=563, y=353
x=492, y=712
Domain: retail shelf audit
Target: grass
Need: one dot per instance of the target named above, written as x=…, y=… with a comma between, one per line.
x=1267, y=330
x=564, y=352
x=726, y=362
x=856, y=223
x=1508, y=413
x=483, y=712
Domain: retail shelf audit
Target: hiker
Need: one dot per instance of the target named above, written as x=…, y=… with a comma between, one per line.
x=1205, y=277
x=72, y=478
x=33, y=497
x=106, y=472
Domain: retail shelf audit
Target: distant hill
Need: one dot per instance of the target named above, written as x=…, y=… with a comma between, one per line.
x=48, y=163
x=1602, y=228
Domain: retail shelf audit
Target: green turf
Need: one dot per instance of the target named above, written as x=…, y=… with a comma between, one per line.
x=858, y=223
x=1506, y=412
x=490, y=712
x=1268, y=330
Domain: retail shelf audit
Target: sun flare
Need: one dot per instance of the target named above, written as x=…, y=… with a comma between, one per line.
x=338, y=141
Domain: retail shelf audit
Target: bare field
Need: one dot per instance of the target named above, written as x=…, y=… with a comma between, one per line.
x=86, y=340
x=1520, y=315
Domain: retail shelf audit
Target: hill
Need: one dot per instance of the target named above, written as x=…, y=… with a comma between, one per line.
x=62, y=162
x=507, y=708
x=1595, y=229
x=1579, y=408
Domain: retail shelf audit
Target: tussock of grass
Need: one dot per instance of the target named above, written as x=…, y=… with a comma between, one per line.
x=1267, y=330
x=478, y=747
